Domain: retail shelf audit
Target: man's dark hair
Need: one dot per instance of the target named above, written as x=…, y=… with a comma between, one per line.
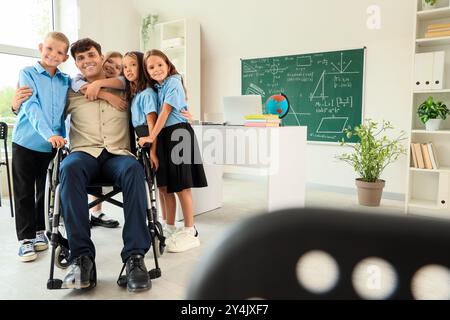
x=84, y=45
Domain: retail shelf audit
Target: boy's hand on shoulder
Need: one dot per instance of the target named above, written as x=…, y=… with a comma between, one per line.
x=57, y=141
x=92, y=91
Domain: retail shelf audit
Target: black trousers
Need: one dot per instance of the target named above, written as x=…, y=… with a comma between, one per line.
x=29, y=169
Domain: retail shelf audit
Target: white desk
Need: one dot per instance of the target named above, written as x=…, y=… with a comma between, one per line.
x=277, y=152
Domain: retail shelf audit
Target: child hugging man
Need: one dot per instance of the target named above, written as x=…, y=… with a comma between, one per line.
x=38, y=131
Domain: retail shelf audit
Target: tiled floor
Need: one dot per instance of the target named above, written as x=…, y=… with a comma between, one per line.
x=242, y=198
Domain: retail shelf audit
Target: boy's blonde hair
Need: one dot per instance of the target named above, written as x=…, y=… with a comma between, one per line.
x=60, y=37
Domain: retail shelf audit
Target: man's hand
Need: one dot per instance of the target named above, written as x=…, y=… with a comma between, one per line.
x=187, y=115
x=57, y=141
x=142, y=141
x=154, y=162
x=22, y=94
x=116, y=101
x=92, y=91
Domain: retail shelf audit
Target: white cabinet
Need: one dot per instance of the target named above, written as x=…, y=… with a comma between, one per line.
x=428, y=191
x=180, y=41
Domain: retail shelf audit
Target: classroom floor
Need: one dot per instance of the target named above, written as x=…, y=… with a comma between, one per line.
x=28, y=280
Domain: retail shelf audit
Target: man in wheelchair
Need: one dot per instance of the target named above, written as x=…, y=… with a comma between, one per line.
x=100, y=147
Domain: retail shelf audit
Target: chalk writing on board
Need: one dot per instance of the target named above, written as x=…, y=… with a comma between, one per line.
x=325, y=89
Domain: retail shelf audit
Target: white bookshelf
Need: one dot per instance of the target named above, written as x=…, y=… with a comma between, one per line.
x=432, y=91
x=428, y=191
x=180, y=41
x=434, y=14
x=433, y=42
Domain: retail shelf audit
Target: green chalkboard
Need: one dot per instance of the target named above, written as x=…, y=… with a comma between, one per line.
x=325, y=89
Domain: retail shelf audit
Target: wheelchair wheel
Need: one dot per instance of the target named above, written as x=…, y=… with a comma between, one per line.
x=62, y=257
x=159, y=246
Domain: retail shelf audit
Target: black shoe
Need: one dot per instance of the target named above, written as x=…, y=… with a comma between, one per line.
x=81, y=275
x=137, y=274
x=101, y=222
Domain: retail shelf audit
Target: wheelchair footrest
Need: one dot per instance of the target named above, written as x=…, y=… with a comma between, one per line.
x=54, y=284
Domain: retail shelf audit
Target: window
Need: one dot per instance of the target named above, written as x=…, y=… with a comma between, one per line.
x=27, y=21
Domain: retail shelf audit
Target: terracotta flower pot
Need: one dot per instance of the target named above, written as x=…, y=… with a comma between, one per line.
x=369, y=193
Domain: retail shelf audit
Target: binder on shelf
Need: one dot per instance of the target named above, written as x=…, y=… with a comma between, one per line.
x=435, y=155
x=438, y=70
x=423, y=70
x=443, y=190
x=418, y=151
x=413, y=157
x=426, y=156
x=430, y=152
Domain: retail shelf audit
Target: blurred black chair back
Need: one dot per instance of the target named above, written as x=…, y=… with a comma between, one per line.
x=258, y=257
x=5, y=162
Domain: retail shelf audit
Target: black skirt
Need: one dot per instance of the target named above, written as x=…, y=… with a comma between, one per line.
x=180, y=163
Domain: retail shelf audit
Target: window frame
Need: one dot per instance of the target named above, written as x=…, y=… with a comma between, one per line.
x=23, y=51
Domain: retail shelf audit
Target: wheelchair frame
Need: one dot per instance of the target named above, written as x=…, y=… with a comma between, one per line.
x=60, y=245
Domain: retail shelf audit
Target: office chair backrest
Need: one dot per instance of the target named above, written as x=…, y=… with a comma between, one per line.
x=3, y=130
x=5, y=162
x=259, y=257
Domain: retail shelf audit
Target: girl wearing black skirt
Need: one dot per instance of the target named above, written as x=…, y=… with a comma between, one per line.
x=180, y=165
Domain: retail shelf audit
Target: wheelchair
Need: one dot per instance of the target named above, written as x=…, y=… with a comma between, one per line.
x=60, y=254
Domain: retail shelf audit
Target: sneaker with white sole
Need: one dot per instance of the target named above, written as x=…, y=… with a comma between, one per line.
x=169, y=231
x=26, y=251
x=183, y=240
x=41, y=241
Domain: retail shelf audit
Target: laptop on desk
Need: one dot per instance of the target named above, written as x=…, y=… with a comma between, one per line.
x=235, y=108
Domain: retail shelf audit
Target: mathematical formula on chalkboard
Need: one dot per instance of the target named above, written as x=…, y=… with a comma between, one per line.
x=325, y=89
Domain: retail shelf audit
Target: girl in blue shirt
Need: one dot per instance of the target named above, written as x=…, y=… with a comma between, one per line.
x=180, y=165
x=144, y=100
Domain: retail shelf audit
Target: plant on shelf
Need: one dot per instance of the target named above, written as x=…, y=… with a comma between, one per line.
x=428, y=4
x=431, y=113
x=370, y=156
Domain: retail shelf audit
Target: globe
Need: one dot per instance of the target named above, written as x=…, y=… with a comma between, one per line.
x=277, y=104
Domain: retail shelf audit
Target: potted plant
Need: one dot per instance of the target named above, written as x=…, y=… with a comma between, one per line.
x=432, y=113
x=428, y=4
x=370, y=156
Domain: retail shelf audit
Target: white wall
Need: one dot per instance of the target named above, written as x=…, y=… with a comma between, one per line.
x=115, y=24
x=237, y=29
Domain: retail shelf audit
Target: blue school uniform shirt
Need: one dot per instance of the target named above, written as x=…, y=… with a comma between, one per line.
x=78, y=81
x=171, y=92
x=143, y=103
x=42, y=115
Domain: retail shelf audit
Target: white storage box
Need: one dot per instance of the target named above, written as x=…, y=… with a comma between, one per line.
x=172, y=43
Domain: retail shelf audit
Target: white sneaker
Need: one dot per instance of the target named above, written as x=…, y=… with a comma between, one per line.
x=183, y=240
x=169, y=231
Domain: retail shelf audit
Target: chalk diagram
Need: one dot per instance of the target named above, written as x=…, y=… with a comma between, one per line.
x=332, y=125
x=254, y=89
x=249, y=69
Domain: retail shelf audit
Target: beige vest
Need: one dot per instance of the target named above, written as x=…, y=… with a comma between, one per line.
x=96, y=125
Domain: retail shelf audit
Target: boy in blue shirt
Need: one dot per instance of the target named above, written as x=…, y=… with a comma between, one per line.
x=39, y=129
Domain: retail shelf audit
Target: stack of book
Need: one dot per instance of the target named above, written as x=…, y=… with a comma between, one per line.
x=262, y=120
x=438, y=30
x=424, y=156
